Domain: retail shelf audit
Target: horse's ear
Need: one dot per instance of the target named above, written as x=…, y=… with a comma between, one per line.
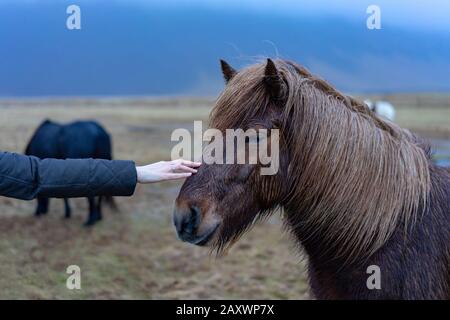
x=227, y=70
x=273, y=80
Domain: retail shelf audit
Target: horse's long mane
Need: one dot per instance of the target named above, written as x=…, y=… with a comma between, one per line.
x=353, y=177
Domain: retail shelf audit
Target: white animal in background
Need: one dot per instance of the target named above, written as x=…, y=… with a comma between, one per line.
x=382, y=108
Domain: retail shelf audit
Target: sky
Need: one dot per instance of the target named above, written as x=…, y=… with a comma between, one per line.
x=417, y=14
x=172, y=47
x=404, y=12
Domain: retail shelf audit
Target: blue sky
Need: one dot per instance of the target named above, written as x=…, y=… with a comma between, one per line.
x=415, y=14
x=170, y=47
x=431, y=15
x=407, y=13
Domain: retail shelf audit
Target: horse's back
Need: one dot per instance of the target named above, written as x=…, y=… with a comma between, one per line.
x=76, y=140
x=85, y=139
x=44, y=142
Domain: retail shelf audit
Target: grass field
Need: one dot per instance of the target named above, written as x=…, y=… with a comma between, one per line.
x=134, y=253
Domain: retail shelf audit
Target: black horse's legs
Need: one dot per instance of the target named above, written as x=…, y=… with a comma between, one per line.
x=37, y=213
x=94, y=214
x=42, y=207
x=67, y=208
x=99, y=207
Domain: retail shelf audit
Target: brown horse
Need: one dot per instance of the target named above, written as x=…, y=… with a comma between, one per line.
x=356, y=191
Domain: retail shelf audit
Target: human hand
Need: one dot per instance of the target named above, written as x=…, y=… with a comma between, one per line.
x=166, y=170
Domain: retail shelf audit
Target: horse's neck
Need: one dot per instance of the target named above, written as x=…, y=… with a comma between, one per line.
x=311, y=238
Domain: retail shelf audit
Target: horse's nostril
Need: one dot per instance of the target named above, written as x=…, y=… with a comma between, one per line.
x=187, y=222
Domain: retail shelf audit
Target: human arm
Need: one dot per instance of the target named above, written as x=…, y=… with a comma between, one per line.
x=26, y=177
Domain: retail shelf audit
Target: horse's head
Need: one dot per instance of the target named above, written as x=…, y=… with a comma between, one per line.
x=336, y=160
x=221, y=201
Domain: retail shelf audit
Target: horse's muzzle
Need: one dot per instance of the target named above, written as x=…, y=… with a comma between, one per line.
x=187, y=222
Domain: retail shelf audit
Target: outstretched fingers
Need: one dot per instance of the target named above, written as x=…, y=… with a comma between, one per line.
x=183, y=168
x=191, y=164
x=174, y=176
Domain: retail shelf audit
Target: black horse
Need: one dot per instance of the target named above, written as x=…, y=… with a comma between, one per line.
x=76, y=140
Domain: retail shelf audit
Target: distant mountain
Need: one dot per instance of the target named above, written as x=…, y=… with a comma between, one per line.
x=129, y=50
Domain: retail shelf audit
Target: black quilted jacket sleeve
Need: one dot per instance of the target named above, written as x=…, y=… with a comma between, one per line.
x=26, y=177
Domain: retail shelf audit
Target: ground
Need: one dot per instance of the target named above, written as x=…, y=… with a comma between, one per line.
x=134, y=253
